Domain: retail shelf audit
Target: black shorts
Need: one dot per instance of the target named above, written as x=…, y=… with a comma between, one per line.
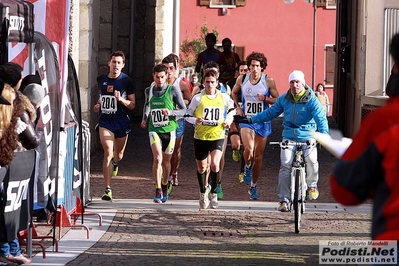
x=167, y=140
x=203, y=147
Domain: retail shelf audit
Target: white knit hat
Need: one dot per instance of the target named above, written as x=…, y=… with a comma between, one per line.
x=35, y=93
x=297, y=75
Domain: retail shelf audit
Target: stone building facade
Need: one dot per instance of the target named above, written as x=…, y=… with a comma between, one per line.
x=99, y=27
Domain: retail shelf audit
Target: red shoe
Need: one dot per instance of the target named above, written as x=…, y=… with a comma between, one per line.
x=175, y=181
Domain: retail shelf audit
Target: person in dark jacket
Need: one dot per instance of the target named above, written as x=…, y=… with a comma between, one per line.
x=369, y=168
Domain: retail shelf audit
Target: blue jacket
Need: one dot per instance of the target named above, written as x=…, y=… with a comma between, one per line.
x=300, y=118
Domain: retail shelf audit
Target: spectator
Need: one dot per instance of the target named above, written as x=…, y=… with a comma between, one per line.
x=369, y=168
x=194, y=80
x=30, y=79
x=35, y=94
x=14, y=131
x=323, y=97
x=390, y=88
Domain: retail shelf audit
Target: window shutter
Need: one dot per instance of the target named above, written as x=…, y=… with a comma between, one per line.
x=204, y=2
x=241, y=2
x=330, y=66
x=240, y=50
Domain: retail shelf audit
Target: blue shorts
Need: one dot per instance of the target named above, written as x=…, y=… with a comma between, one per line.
x=180, y=129
x=263, y=129
x=120, y=127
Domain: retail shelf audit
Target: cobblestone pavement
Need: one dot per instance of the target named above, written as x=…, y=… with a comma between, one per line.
x=152, y=237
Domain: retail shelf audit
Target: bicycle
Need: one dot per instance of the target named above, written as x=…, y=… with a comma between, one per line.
x=298, y=179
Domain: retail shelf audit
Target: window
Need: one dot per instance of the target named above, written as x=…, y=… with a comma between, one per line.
x=331, y=4
x=215, y=3
x=330, y=66
x=328, y=4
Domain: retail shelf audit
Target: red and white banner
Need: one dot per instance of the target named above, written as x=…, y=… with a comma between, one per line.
x=52, y=20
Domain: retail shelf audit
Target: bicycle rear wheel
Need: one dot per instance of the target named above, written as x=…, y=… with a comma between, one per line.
x=297, y=201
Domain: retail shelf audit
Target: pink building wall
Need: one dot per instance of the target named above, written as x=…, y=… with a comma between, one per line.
x=283, y=32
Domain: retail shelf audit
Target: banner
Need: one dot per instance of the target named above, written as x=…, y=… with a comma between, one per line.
x=15, y=191
x=74, y=109
x=16, y=18
x=47, y=65
x=52, y=20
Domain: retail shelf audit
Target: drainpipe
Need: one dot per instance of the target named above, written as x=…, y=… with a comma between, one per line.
x=115, y=6
x=176, y=27
x=132, y=40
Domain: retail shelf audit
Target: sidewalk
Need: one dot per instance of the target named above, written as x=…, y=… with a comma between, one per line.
x=139, y=232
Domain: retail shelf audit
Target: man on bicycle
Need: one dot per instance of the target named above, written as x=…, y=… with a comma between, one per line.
x=303, y=114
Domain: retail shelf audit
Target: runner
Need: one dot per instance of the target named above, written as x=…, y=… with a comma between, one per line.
x=232, y=60
x=234, y=133
x=161, y=114
x=224, y=89
x=258, y=91
x=172, y=63
x=210, y=54
x=206, y=111
x=117, y=98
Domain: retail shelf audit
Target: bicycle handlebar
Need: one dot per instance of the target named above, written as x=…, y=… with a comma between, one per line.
x=285, y=144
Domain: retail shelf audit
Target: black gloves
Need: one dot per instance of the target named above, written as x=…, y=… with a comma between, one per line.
x=242, y=119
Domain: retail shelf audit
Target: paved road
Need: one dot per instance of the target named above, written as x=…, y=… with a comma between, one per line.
x=139, y=232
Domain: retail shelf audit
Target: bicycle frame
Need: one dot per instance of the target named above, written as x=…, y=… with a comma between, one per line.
x=298, y=185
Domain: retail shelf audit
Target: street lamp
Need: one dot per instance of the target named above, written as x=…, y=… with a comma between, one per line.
x=314, y=38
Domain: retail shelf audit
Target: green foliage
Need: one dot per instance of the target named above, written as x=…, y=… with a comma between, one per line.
x=189, y=49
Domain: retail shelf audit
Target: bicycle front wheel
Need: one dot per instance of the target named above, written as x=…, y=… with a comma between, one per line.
x=297, y=201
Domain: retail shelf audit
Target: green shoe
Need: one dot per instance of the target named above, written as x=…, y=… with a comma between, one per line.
x=241, y=177
x=170, y=187
x=236, y=155
x=115, y=168
x=107, y=194
x=219, y=191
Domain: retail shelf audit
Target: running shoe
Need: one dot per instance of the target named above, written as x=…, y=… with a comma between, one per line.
x=283, y=207
x=236, y=155
x=247, y=175
x=213, y=197
x=170, y=187
x=252, y=192
x=203, y=201
x=107, y=194
x=241, y=177
x=158, y=195
x=164, y=193
x=175, y=182
x=219, y=191
x=313, y=193
x=115, y=167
